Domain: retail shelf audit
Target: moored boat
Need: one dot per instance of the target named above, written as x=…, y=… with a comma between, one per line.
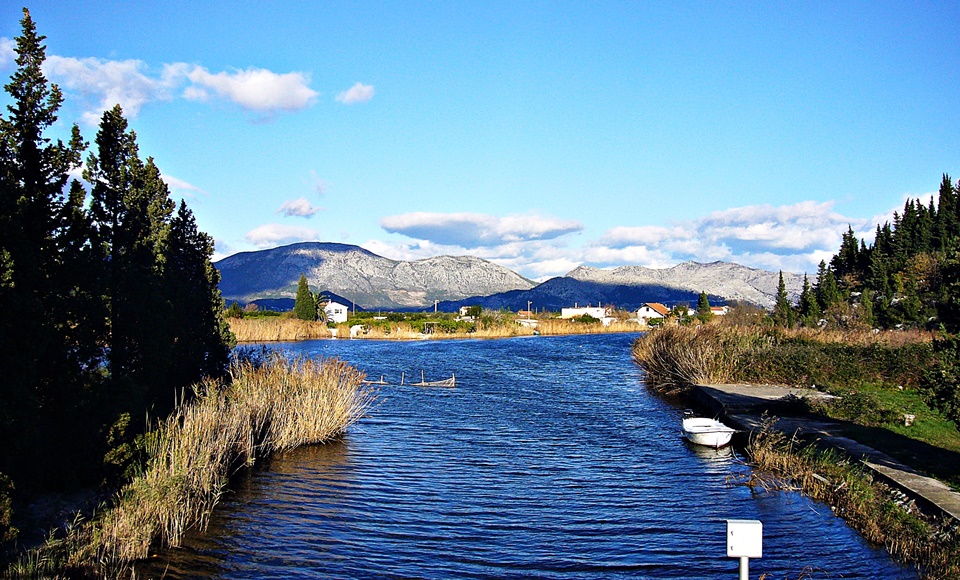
x=707, y=432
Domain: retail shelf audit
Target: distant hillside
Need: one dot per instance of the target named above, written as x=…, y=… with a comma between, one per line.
x=369, y=280
x=724, y=279
x=629, y=287
x=561, y=292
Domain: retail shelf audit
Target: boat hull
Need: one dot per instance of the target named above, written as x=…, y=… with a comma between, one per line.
x=707, y=432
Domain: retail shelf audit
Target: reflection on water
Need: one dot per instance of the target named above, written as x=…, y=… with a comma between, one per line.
x=549, y=459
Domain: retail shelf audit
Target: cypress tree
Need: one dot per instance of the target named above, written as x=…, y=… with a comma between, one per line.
x=198, y=332
x=704, y=314
x=305, y=307
x=809, y=309
x=782, y=312
x=826, y=290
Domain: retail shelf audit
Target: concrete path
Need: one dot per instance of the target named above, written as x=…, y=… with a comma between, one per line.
x=742, y=406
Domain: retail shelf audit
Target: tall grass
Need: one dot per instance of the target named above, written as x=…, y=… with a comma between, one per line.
x=264, y=409
x=291, y=329
x=678, y=357
x=930, y=544
x=261, y=329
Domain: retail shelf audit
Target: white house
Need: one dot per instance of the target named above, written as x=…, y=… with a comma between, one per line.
x=596, y=312
x=652, y=310
x=336, y=312
x=719, y=310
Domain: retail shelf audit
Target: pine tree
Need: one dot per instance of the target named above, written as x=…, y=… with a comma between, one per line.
x=305, y=307
x=45, y=353
x=846, y=263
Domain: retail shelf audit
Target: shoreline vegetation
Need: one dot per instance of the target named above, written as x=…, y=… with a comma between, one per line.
x=283, y=329
x=264, y=407
x=876, y=378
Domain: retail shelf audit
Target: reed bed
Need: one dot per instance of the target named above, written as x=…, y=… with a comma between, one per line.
x=678, y=357
x=559, y=326
x=291, y=329
x=930, y=544
x=263, y=409
x=277, y=329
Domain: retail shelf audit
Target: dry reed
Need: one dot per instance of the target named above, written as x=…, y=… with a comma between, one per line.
x=678, y=357
x=275, y=329
x=291, y=329
x=264, y=409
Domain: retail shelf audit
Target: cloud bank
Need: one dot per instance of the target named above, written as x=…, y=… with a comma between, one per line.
x=792, y=238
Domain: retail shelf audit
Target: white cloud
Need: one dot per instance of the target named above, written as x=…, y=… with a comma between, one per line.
x=470, y=230
x=101, y=84
x=358, y=93
x=254, y=89
x=271, y=235
x=298, y=207
x=180, y=185
x=8, y=54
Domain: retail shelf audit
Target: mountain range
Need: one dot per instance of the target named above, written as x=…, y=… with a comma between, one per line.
x=359, y=277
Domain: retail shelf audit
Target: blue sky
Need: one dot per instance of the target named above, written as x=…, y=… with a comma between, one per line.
x=538, y=135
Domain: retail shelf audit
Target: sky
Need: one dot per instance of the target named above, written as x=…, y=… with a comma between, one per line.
x=539, y=135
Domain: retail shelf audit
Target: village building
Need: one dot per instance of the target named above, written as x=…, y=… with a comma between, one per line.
x=336, y=312
x=595, y=311
x=652, y=310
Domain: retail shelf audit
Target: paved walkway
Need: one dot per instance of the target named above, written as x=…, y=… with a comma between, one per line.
x=741, y=406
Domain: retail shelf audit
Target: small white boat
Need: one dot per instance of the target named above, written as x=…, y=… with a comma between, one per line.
x=707, y=432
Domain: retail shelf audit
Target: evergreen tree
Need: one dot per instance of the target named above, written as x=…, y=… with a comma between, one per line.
x=782, y=312
x=826, y=290
x=809, y=309
x=131, y=208
x=305, y=307
x=704, y=314
x=946, y=223
x=49, y=335
x=846, y=263
x=197, y=331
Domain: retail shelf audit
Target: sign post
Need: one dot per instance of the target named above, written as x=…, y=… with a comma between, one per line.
x=744, y=541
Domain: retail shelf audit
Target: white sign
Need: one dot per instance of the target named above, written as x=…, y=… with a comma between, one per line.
x=744, y=539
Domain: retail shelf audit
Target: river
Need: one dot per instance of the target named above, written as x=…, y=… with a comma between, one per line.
x=549, y=459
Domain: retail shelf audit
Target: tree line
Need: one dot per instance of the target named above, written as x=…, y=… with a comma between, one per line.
x=907, y=277
x=109, y=300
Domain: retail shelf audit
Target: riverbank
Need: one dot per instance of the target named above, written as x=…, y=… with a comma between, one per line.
x=915, y=517
x=267, y=407
x=827, y=441
x=277, y=329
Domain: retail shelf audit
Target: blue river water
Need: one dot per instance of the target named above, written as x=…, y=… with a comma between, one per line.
x=549, y=459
